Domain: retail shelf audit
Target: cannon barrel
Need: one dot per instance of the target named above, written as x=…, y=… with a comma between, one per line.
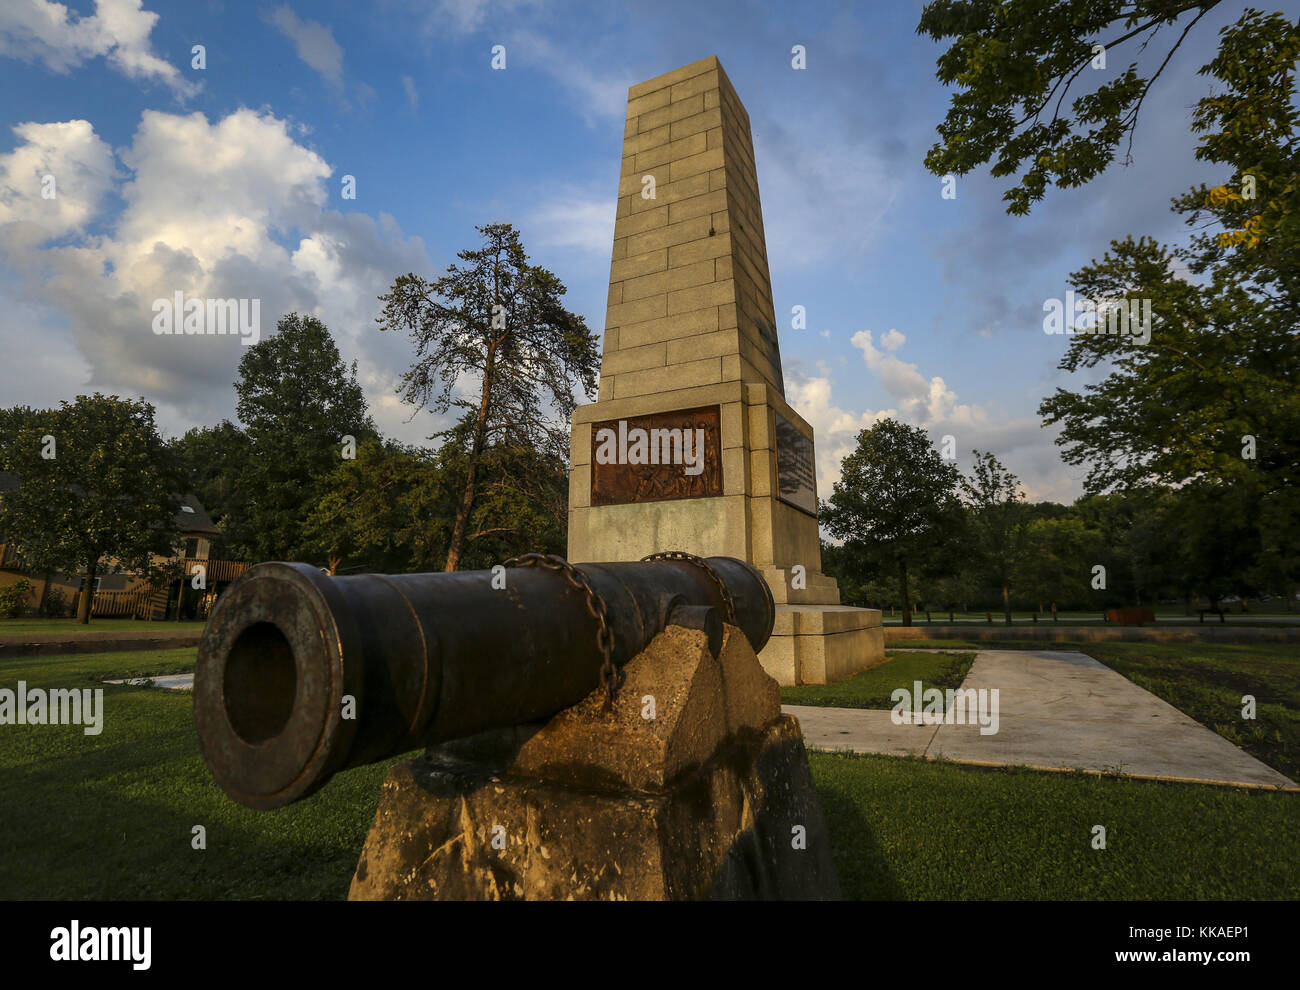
x=301, y=675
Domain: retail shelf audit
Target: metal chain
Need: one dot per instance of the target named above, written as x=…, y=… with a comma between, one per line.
x=728, y=604
x=611, y=677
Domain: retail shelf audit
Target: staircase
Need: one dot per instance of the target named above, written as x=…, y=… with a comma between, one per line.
x=154, y=607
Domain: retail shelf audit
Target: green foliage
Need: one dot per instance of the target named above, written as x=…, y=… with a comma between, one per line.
x=387, y=511
x=1210, y=405
x=895, y=507
x=297, y=401
x=1054, y=568
x=1014, y=62
x=106, y=498
x=1200, y=424
x=393, y=508
x=1224, y=357
x=14, y=599
x=522, y=499
x=1156, y=544
x=498, y=320
x=213, y=461
x=999, y=521
x=56, y=604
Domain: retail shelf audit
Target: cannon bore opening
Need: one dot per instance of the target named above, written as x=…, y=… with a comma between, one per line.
x=260, y=683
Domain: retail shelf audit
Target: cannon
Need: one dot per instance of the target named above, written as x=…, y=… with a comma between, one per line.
x=301, y=675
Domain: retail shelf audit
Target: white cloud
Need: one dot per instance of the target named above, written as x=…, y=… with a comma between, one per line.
x=576, y=220
x=464, y=17
x=1022, y=445
x=229, y=208
x=835, y=430
x=599, y=98
x=44, y=31
x=919, y=400
x=892, y=340
x=56, y=179
x=809, y=170
x=412, y=95
x=314, y=42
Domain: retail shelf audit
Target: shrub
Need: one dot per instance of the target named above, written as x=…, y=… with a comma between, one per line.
x=13, y=598
x=56, y=603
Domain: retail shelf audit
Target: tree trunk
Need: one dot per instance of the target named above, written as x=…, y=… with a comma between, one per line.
x=45, y=595
x=83, y=606
x=1006, y=603
x=476, y=450
x=907, y=601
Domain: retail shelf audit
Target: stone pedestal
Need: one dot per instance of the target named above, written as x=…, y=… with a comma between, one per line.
x=693, y=786
x=691, y=343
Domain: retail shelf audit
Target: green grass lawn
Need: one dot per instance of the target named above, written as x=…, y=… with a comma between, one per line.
x=913, y=829
x=1276, y=607
x=1166, y=614
x=872, y=687
x=110, y=816
x=96, y=627
x=1206, y=681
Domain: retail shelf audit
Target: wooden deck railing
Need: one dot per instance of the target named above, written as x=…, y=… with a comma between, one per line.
x=132, y=603
x=147, y=601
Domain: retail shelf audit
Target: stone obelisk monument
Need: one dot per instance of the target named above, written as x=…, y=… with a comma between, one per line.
x=691, y=444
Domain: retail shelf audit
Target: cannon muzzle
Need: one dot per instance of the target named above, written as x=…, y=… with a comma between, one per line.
x=301, y=675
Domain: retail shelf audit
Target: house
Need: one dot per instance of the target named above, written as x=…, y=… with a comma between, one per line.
x=130, y=593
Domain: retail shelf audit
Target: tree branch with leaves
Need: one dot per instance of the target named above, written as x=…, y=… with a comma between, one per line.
x=499, y=321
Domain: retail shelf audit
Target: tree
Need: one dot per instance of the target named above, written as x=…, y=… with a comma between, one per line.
x=298, y=403
x=389, y=510
x=1058, y=560
x=895, y=506
x=853, y=588
x=97, y=489
x=999, y=522
x=498, y=320
x=214, y=461
x=1209, y=405
x=1277, y=568
x=522, y=503
x=1211, y=395
x=1015, y=63
x=1216, y=540
x=1214, y=394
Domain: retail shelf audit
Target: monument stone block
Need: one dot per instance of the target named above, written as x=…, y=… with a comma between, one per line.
x=691, y=325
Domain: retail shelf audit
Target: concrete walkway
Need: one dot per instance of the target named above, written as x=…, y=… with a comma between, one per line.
x=172, y=682
x=1057, y=711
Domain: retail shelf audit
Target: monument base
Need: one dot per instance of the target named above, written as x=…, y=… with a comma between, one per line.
x=818, y=644
x=693, y=786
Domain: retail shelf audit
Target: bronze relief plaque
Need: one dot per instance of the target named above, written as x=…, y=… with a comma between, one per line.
x=657, y=457
x=795, y=468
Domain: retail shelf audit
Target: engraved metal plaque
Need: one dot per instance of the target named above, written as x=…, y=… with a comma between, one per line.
x=657, y=457
x=795, y=468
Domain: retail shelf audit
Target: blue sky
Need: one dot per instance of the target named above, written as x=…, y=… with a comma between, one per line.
x=227, y=181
